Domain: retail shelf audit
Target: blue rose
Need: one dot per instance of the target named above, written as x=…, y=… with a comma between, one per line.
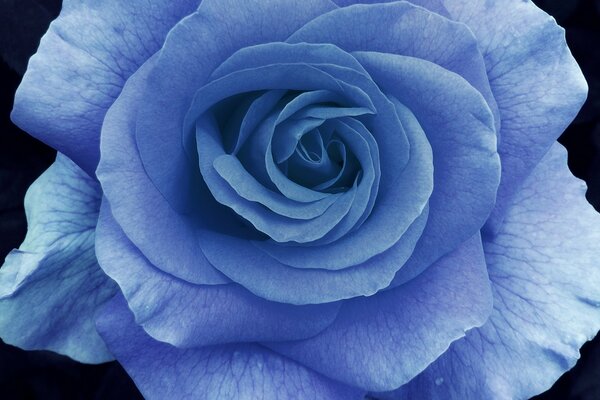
x=283, y=199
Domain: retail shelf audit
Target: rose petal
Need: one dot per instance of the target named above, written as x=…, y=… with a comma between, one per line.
x=460, y=129
x=81, y=66
x=187, y=315
x=194, y=48
x=543, y=265
x=382, y=342
x=402, y=28
x=432, y=5
x=233, y=372
x=51, y=287
x=268, y=278
x=337, y=254
x=278, y=227
x=403, y=201
x=168, y=239
x=537, y=84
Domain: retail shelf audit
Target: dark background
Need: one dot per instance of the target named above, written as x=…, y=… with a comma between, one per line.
x=45, y=375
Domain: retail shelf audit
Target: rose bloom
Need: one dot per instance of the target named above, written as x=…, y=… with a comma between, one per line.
x=283, y=199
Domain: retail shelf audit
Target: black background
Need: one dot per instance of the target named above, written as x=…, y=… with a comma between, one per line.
x=45, y=375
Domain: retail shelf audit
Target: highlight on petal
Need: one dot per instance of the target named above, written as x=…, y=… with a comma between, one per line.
x=543, y=266
x=240, y=371
x=381, y=342
x=81, y=66
x=538, y=86
x=51, y=286
x=187, y=315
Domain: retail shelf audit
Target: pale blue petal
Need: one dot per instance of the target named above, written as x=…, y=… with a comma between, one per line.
x=243, y=371
x=537, y=84
x=187, y=315
x=381, y=342
x=51, y=286
x=81, y=66
x=543, y=265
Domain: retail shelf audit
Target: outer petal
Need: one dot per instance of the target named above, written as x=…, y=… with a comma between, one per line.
x=537, y=84
x=51, y=286
x=81, y=66
x=382, y=342
x=187, y=315
x=161, y=371
x=544, y=269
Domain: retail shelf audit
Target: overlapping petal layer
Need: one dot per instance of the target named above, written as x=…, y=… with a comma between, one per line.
x=187, y=315
x=167, y=239
x=402, y=191
x=257, y=188
x=277, y=157
x=460, y=129
x=83, y=62
x=292, y=68
x=193, y=50
x=176, y=244
x=51, y=286
x=385, y=340
x=244, y=371
x=543, y=267
x=537, y=83
x=403, y=28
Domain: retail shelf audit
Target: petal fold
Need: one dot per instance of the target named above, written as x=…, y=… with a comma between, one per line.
x=385, y=340
x=51, y=286
x=233, y=372
x=81, y=65
x=187, y=315
x=543, y=265
x=538, y=86
x=460, y=128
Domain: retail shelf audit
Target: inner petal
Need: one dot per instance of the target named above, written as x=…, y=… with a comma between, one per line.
x=311, y=165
